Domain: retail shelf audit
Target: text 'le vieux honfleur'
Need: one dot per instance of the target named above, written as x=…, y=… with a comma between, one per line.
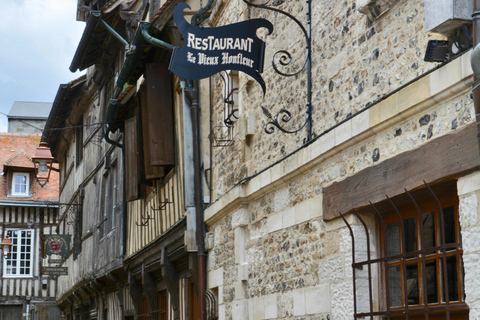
x=211, y=43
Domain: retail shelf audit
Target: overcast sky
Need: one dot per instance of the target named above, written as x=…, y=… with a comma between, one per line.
x=38, y=40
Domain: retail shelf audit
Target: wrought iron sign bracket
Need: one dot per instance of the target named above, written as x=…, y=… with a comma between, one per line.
x=282, y=59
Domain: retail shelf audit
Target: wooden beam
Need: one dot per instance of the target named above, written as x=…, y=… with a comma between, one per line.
x=150, y=289
x=193, y=267
x=170, y=274
x=136, y=293
x=444, y=158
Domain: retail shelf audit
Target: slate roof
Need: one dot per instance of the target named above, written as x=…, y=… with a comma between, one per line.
x=26, y=110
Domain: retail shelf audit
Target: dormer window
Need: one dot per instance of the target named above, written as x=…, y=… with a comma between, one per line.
x=20, y=184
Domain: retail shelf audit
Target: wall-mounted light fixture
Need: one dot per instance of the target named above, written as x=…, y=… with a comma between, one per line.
x=42, y=161
x=6, y=246
x=437, y=51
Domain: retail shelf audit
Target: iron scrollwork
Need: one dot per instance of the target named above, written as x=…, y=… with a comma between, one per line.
x=282, y=59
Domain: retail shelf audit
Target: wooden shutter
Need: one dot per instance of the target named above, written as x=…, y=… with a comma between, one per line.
x=150, y=171
x=131, y=159
x=158, y=115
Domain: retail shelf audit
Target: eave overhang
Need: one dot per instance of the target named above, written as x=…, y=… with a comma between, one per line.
x=92, y=42
x=26, y=203
x=61, y=110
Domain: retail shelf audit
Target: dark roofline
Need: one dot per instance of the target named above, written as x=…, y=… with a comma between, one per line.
x=57, y=117
x=92, y=23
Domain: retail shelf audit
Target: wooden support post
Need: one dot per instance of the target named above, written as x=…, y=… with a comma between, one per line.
x=150, y=290
x=136, y=293
x=171, y=277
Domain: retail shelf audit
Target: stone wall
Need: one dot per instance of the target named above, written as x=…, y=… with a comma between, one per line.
x=469, y=193
x=273, y=256
x=355, y=62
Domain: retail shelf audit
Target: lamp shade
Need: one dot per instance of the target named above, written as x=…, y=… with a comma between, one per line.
x=42, y=161
x=42, y=154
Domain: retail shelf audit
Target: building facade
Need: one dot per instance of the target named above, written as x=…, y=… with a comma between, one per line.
x=28, y=213
x=28, y=117
x=347, y=190
x=373, y=215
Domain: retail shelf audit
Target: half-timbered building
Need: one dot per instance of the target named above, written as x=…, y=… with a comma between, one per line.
x=347, y=189
x=28, y=212
x=119, y=135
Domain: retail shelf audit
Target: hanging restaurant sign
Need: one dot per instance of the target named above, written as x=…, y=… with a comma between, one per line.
x=207, y=51
x=57, y=244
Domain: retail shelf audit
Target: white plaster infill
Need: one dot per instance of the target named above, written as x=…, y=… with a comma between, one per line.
x=453, y=79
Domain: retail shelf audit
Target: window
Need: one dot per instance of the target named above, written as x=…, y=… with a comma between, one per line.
x=20, y=184
x=110, y=181
x=20, y=261
x=230, y=89
x=424, y=258
x=231, y=107
x=79, y=142
x=419, y=258
x=77, y=229
x=155, y=308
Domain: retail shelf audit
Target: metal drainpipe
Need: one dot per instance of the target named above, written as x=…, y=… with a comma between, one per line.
x=476, y=83
x=197, y=163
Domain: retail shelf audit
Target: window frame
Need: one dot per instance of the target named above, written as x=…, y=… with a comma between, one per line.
x=14, y=250
x=437, y=253
x=110, y=199
x=231, y=105
x=27, y=184
x=79, y=142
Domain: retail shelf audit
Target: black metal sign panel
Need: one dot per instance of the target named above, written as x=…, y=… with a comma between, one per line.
x=57, y=244
x=207, y=51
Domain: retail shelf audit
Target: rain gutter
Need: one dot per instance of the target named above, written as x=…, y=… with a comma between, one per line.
x=476, y=83
x=108, y=118
x=92, y=23
x=144, y=26
x=141, y=39
x=20, y=203
x=115, y=34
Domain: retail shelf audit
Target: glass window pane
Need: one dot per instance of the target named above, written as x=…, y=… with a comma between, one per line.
x=410, y=234
x=452, y=279
x=393, y=239
x=19, y=261
x=449, y=220
x=20, y=183
x=412, y=284
x=428, y=220
x=395, y=286
x=432, y=288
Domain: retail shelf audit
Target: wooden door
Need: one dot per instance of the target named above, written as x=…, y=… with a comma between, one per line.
x=14, y=312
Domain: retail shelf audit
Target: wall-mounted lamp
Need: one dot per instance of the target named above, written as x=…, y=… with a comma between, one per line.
x=42, y=161
x=475, y=60
x=437, y=51
x=6, y=246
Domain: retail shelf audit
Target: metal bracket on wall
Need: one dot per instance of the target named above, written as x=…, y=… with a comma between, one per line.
x=162, y=204
x=283, y=59
x=221, y=136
